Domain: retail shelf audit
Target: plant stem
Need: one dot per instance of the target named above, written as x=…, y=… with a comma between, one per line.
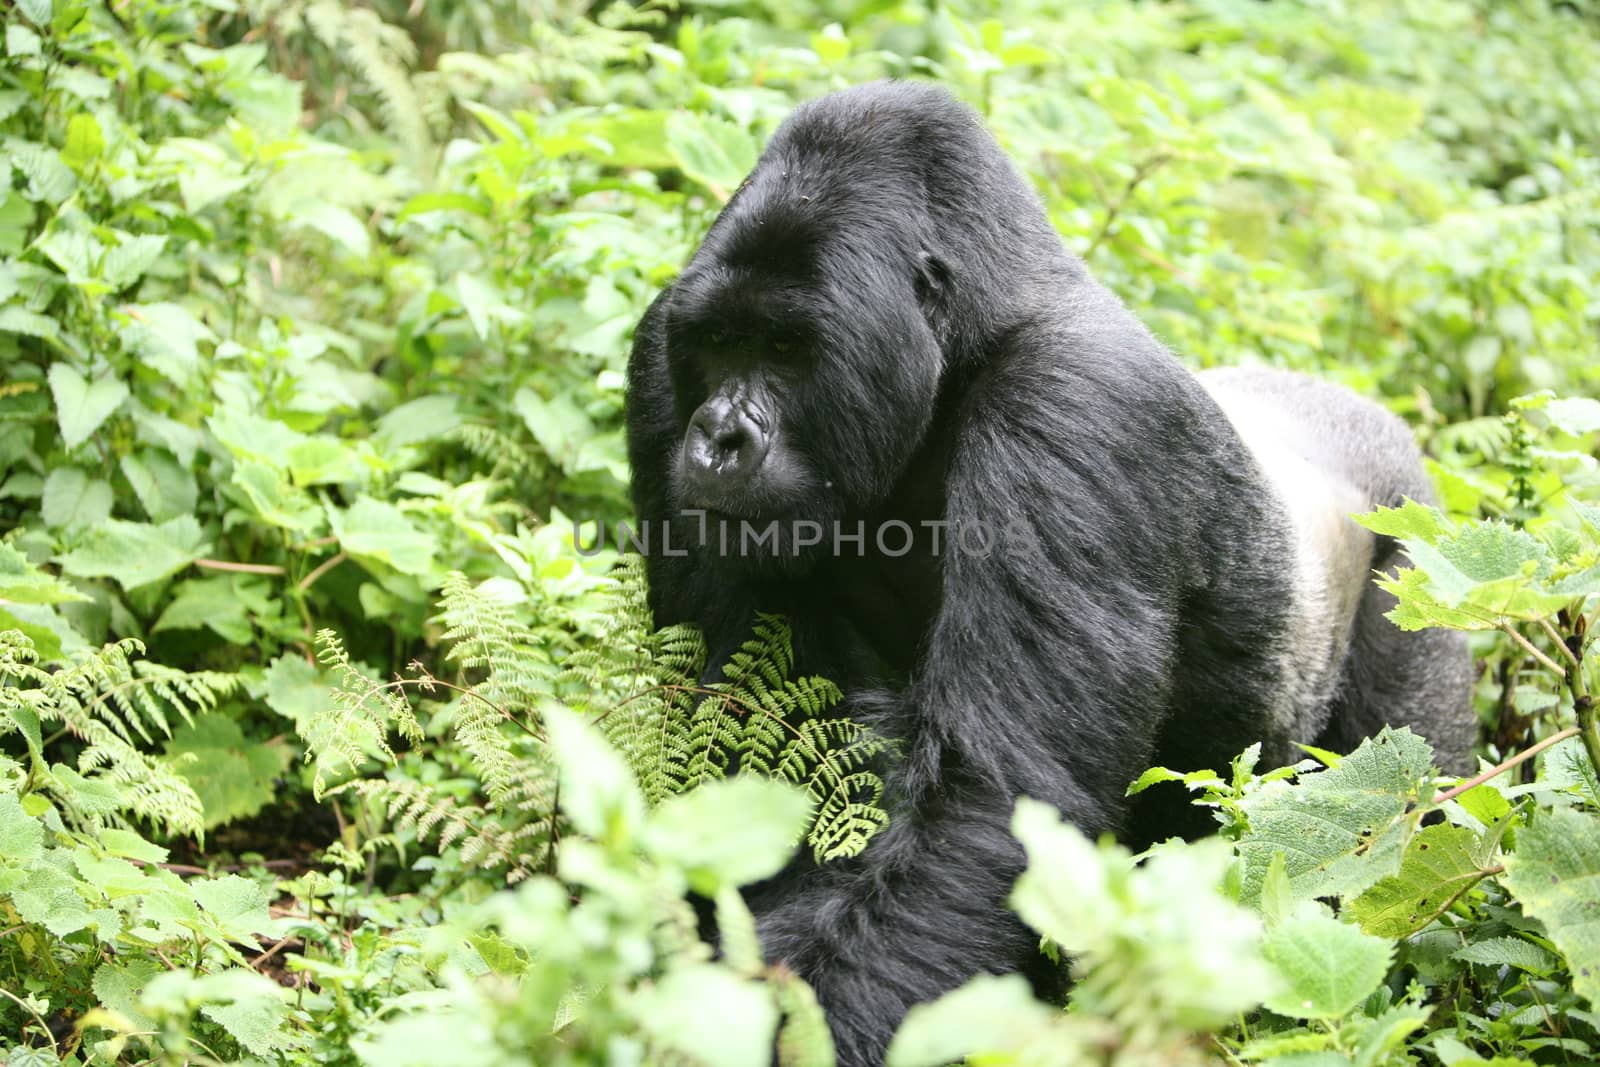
x=1501, y=768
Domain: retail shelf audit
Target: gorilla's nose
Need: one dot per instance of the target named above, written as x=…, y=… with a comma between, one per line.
x=724, y=444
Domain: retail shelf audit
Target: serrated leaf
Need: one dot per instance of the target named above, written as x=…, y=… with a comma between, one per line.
x=14, y=319
x=21, y=835
x=233, y=777
x=714, y=152
x=50, y=181
x=21, y=583
x=598, y=790
x=1577, y=415
x=1330, y=966
x=376, y=531
x=1509, y=952
x=84, y=142
x=167, y=337
x=128, y=262
x=991, y=1013
x=1341, y=829
x=136, y=553
x=208, y=603
x=72, y=499
x=36, y=12
x=81, y=405
x=1439, y=864
x=1555, y=873
x=708, y=1014
x=165, y=488
x=729, y=832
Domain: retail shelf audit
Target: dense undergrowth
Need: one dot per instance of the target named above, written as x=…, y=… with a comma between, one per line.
x=312, y=323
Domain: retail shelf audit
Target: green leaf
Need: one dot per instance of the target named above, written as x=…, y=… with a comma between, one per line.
x=16, y=221
x=427, y=418
x=729, y=832
x=234, y=778
x=236, y=904
x=36, y=12
x=1577, y=415
x=81, y=405
x=211, y=603
x=1330, y=966
x=15, y=319
x=1341, y=829
x=21, y=835
x=1555, y=873
x=165, y=488
x=1440, y=863
x=274, y=501
x=136, y=553
x=709, y=1015
x=714, y=152
x=375, y=531
x=991, y=1013
x=1509, y=952
x=84, y=143
x=128, y=262
x=337, y=224
x=558, y=424
x=598, y=790
x=22, y=583
x=167, y=338
x=72, y=499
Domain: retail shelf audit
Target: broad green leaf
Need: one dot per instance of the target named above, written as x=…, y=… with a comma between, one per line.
x=1439, y=864
x=714, y=152
x=708, y=1014
x=424, y=419
x=14, y=319
x=730, y=832
x=21, y=835
x=84, y=143
x=598, y=789
x=1341, y=829
x=119, y=984
x=1555, y=873
x=252, y=436
x=165, y=488
x=233, y=777
x=991, y=1013
x=21, y=583
x=376, y=531
x=16, y=220
x=136, y=553
x=133, y=256
x=72, y=499
x=558, y=424
x=208, y=603
x=1577, y=415
x=1509, y=952
x=36, y=12
x=236, y=904
x=1409, y=522
x=81, y=405
x=1330, y=966
x=50, y=181
x=167, y=337
x=274, y=501
x=337, y=224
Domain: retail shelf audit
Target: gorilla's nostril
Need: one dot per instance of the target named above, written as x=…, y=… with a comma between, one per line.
x=730, y=438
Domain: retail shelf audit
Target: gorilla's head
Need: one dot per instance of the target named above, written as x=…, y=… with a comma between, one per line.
x=811, y=335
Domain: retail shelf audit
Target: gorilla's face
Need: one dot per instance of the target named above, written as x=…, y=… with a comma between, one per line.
x=804, y=379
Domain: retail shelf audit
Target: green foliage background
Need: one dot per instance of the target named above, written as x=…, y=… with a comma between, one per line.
x=313, y=317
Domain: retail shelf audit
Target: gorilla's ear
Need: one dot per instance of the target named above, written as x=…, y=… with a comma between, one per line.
x=932, y=279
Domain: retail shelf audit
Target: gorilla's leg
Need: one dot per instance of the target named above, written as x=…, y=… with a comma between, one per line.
x=1421, y=679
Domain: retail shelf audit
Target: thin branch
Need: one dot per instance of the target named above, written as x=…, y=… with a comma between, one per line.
x=322, y=568
x=1532, y=649
x=1559, y=641
x=1501, y=768
x=239, y=568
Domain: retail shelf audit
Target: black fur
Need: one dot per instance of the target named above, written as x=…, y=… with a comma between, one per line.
x=882, y=324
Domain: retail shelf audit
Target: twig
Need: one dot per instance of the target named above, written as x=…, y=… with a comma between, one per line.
x=1532, y=649
x=1501, y=768
x=322, y=568
x=240, y=568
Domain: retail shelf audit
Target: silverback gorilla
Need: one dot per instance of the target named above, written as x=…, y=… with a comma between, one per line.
x=1029, y=545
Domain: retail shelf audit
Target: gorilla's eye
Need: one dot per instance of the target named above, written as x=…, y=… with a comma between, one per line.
x=718, y=337
x=781, y=347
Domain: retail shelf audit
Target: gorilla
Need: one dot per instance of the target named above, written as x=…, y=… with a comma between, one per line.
x=1032, y=548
